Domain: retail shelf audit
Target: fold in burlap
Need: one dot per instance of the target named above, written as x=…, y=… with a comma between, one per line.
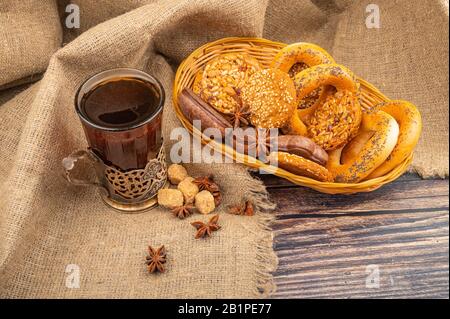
x=46, y=224
x=30, y=32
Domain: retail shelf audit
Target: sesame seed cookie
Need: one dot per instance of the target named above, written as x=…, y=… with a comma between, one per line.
x=224, y=77
x=271, y=97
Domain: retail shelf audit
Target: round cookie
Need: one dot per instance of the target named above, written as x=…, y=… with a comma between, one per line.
x=197, y=85
x=223, y=79
x=336, y=121
x=271, y=97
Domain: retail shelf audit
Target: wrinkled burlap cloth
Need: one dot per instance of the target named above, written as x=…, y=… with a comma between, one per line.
x=46, y=224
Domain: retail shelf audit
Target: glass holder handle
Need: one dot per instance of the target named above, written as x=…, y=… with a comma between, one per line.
x=70, y=162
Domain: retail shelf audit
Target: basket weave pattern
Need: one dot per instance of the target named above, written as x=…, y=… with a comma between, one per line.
x=264, y=51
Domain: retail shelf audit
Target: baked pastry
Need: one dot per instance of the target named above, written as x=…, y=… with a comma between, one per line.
x=410, y=124
x=374, y=143
x=197, y=85
x=303, y=53
x=270, y=96
x=292, y=144
x=194, y=108
x=224, y=77
x=297, y=57
x=301, y=166
x=302, y=146
x=336, y=121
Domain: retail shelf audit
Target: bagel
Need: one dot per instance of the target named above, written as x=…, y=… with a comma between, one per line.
x=325, y=74
x=334, y=122
x=410, y=124
x=302, y=52
x=301, y=166
x=377, y=137
x=297, y=57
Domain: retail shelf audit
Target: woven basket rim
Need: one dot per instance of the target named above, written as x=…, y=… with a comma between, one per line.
x=325, y=187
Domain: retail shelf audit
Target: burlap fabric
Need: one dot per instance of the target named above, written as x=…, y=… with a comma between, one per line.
x=46, y=224
x=30, y=32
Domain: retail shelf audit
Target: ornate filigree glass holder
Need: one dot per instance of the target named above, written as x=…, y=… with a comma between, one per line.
x=127, y=191
x=128, y=159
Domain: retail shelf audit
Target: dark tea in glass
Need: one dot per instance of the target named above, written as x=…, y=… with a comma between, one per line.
x=123, y=122
x=121, y=113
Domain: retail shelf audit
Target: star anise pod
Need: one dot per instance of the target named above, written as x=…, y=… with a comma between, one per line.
x=183, y=211
x=246, y=209
x=257, y=145
x=217, y=198
x=156, y=259
x=206, y=183
x=249, y=209
x=205, y=229
x=240, y=116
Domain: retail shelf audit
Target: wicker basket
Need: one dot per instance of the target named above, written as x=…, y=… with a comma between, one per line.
x=264, y=51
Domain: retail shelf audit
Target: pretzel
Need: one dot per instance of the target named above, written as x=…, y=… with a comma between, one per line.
x=297, y=57
x=410, y=123
x=336, y=121
x=374, y=143
x=301, y=166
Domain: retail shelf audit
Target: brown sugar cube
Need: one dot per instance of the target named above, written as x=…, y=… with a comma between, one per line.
x=204, y=202
x=176, y=173
x=170, y=198
x=189, y=189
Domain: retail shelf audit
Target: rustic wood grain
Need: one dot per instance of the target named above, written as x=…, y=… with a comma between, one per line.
x=326, y=242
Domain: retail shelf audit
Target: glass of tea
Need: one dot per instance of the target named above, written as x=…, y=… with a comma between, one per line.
x=121, y=112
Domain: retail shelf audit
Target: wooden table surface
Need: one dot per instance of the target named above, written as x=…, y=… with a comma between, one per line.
x=390, y=243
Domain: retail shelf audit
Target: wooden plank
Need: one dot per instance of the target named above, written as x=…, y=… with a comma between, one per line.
x=404, y=195
x=329, y=257
x=327, y=244
x=273, y=181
